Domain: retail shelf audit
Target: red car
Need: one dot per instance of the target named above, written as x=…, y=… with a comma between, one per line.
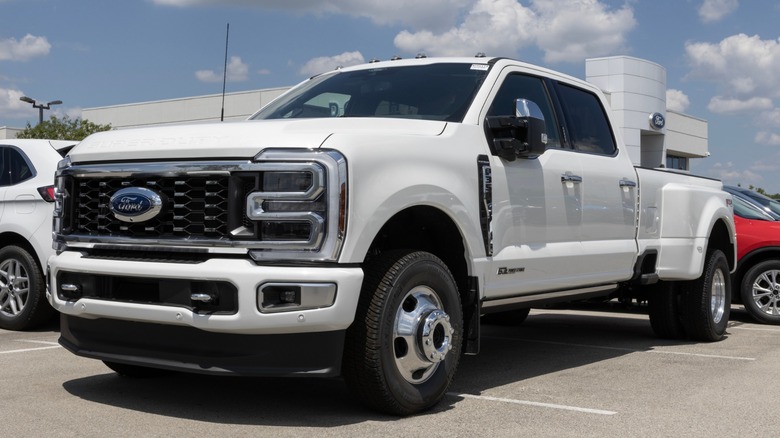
x=758, y=266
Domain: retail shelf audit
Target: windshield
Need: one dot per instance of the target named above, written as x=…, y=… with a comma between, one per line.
x=428, y=92
x=748, y=210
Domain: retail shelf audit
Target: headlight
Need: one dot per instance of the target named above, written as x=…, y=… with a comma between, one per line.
x=298, y=203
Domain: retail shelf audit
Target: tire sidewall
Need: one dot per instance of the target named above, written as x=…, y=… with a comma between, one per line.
x=746, y=291
x=428, y=271
x=717, y=261
x=35, y=296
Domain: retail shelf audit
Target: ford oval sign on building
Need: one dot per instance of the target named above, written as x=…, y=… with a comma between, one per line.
x=657, y=121
x=135, y=204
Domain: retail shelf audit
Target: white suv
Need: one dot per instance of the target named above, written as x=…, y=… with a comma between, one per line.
x=26, y=204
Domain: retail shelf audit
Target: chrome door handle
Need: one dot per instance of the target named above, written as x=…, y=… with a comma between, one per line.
x=627, y=183
x=567, y=177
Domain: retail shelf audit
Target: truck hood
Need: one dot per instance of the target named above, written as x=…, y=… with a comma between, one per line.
x=236, y=139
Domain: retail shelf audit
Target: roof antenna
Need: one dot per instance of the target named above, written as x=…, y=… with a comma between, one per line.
x=224, y=74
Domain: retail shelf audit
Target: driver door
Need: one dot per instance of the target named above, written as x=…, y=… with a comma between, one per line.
x=537, y=205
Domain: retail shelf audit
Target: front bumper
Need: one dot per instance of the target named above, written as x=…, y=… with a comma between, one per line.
x=244, y=341
x=192, y=350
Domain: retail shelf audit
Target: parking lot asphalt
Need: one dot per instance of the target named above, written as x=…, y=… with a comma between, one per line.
x=563, y=373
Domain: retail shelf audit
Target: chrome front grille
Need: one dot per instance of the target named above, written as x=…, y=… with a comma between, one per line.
x=283, y=205
x=194, y=207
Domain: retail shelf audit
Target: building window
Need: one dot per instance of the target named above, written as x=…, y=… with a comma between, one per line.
x=676, y=162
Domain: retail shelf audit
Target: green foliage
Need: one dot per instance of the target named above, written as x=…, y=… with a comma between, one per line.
x=62, y=129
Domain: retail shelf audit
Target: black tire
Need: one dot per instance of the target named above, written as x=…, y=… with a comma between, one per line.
x=514, y=317
x=383, y=362
x=134, y=371
x=23, y=304
x=663, y=305
x=760, y=292
x=707, y=300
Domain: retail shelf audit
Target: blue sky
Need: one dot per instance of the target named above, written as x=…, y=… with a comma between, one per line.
x=722, y=56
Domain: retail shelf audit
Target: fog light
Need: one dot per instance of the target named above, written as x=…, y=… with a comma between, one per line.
x=288, y=296
x=278, y=297
x=282, y=297
x=70, y=291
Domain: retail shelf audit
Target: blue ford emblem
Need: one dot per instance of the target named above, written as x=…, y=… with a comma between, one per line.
x=657, y=121
x=135, y=204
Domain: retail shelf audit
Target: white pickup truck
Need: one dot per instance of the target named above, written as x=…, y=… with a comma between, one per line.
x=361, y=224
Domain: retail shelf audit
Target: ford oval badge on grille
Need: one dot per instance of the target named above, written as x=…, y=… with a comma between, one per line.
x=135, y=204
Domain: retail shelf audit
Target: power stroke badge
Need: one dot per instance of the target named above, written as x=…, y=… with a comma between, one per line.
x=135, y=204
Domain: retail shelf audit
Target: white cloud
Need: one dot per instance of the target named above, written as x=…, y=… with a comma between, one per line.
x=28, y=47
x=572, y=30
x=72, y=112
x=566, y=30
x=237, y=71
x=730, y=174
x=491, y=26
x=768, y=138
x=722, y=105
x=327, y=63
x=711, y=11
x=11, y=106
x=741, y=65
x=676, y=100
x=435, y=14
x=771, y=117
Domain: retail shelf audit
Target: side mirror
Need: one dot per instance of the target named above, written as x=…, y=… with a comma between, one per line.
x=523, y=135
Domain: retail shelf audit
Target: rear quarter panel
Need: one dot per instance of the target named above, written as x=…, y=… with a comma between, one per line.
x=676, y=217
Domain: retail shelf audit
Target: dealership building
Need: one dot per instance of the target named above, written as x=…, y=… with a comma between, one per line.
x=635, y=88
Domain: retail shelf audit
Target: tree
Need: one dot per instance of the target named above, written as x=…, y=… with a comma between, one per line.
x=62, y=129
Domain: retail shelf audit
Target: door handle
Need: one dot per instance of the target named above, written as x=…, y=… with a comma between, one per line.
x=627, y=183
x=568, y=177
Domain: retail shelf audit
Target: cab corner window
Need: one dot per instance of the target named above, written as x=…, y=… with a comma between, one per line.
x=587, y=122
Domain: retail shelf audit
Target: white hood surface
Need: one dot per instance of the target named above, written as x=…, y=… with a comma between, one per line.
x=237, y=140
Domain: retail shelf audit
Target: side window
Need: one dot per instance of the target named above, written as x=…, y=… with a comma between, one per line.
x=18, y=167
x=5, y=174
x=517, y=86
x=587, y=122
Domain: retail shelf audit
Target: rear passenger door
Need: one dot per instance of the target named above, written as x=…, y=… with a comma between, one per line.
x=608, y=187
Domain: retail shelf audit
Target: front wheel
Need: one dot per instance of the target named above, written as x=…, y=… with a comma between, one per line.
x=707, y=300
x=23, y=304
x=403, y=348
x=760, y=292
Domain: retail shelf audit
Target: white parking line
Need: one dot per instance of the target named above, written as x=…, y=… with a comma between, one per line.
x=757, y=329
x=50, y=345
x=630, y=350
x=531, y=403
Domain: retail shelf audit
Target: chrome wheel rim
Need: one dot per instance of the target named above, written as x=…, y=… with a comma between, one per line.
x=422, y=335
x=718, y=296
x=766, y=292
x=14, y=287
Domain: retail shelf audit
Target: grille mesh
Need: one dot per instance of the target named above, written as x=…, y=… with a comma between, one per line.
x=193, y=207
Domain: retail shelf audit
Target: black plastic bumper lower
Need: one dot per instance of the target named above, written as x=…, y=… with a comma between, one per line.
x=192, y=350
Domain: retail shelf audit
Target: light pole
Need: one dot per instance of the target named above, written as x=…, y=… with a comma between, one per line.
x=40, y=106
